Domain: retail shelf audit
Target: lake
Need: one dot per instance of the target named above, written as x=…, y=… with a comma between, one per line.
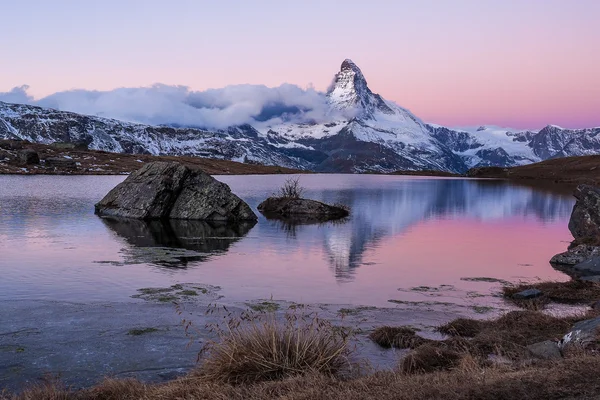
x=408, y=239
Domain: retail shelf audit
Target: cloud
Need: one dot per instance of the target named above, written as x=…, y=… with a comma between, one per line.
x=179, y=106
x=17, y=95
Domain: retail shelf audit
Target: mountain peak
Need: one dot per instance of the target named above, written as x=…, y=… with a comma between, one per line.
x=349, y=90
x=349, y=65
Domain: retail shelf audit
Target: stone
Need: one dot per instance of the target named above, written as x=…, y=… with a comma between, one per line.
x=528, y=294
x=582, y=334
x=173, y=190
x=589, y=267
x=29, y=157
x=290, y=208
x=576, y=255
x=546, y=350
x=584, y=223
x=591, y=278
x=58, y=162
x=595, y=305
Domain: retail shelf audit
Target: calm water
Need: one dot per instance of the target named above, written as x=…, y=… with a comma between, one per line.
x=404, y=233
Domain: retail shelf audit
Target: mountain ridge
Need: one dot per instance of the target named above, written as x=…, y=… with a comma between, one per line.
x=361, y=132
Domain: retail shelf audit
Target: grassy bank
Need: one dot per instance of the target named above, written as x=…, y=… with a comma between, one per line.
x=92, y=162
x=259, y=356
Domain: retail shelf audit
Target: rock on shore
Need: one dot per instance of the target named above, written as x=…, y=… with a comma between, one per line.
x=585, y=218
x=583, y=256
x=172, y=190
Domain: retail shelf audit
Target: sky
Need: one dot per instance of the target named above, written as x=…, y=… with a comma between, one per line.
x=512, y=63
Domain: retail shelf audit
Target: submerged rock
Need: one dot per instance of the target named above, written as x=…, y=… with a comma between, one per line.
x=584, y=223
x=173, y=190
x=528, y=294
x=301, y=209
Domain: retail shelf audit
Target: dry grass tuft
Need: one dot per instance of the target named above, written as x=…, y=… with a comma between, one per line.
x=401, y=337
x=464, y=327
x=291, y=189
x=264, y=349
x=429, y=358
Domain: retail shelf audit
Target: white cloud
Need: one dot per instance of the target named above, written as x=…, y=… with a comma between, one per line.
x=178, y=105
x=17, y=95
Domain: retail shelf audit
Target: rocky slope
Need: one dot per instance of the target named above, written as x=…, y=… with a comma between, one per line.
x=362, y=132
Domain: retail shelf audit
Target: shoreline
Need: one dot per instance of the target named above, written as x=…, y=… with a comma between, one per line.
x=567, y=171
x=82, y=343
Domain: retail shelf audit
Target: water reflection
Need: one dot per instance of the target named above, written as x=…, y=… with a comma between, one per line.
x=402, y=231
x=175, y=243
x=378, y=213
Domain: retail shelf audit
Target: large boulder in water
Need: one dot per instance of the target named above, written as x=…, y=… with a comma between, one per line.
x=296, y=208
x=585, y=218
x=172, y=190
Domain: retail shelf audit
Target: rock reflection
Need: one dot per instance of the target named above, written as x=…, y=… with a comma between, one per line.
x=175, y=243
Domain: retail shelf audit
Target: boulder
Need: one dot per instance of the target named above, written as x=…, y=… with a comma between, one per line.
x=292, y=208
x=588, y=267
x=591, y=278
x=584, y=223
x=583, y=334
x=58, y=162
x=576, y=255
x=546, y=350
x=173, y=190
x=29, y=157
x=527, y=294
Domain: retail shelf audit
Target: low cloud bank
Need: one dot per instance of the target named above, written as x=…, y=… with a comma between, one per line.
x=179, y=106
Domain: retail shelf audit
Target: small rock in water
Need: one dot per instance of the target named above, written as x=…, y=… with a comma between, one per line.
x=301, y=208
x=546, y=350
x=528, y=294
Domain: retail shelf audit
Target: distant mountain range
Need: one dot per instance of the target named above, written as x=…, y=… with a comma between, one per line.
x=364, y=133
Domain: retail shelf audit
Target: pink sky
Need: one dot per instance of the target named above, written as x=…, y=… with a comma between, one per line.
x=522, y=64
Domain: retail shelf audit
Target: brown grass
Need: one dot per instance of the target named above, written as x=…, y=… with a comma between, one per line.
x=465, y=327
x=401, y=337
x=299, y=359
x=428, y=358
x=570, y=292
x=575, y=378
x=264, y=349
x=116, y=163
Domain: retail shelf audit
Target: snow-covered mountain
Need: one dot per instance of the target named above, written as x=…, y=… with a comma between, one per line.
x=361, y=132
